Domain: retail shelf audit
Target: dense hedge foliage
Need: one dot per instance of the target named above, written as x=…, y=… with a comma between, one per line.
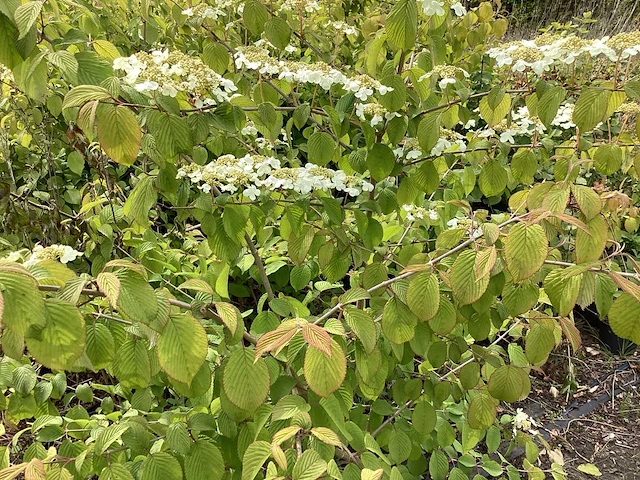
x=300, y=239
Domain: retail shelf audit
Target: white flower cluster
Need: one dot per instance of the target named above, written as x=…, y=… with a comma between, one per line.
x=318, y=73
x=377, y=113
x=522, y=421
x=308, y=6
x=343, y=27
x=63, y=253
x=547, y=51
x=418, y=213
x=446, y=73
x=564, y=117
x=256, y=173
x=204, y=11
x=171, y=72
x=437, y=7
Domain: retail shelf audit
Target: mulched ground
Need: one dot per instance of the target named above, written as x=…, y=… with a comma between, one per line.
x=573, y=404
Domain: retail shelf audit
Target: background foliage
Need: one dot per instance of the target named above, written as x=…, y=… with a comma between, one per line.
x=301, y=240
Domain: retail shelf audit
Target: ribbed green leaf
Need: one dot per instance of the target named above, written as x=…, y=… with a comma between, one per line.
x=182, y=347
x=482, y=411
x=131, y=365
x=100, y=346
x=119, y=133
x=493, y=178
x=589, y=246
x=539, y=343
x=24, y=379
x=23, y=304
x=321, y=146
x=525, y=250
x=466, y=287
x=549, y=103
x=495, y=106
x=115, y=471
x=402, y=24
x=309, y=466
x=140, y=201
x=61, y=341
x=562, y=291
x=254, y=457
x=380, y=161
x=423, y=295
x=363, y=326
x=398, y=321
x=624, y=317
x=137, y=300
x=172, y=134
x=204, y=462
x=325, y=374
x=245, y=382
x=509, y=383
x=590, y=108
x=161, y=466
x=26, y=16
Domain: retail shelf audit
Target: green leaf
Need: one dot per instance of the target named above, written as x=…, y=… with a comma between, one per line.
x=26, y=16
x=92, y=69
x=445, y=319
x=140, y=200
x=109, y=284
x=424, y=418
x=182, y=347
x=589, y=246
x=562, y=291
x=115, y=471
x=254, y=457
x=309, y=466
x=429, y=131
x=216, y=56
x=549, y=103
x=624, y=317
x=539, y=343
x=398, y=321
x=78, y=96
x=23, y=304
x=324, y=373
x=173, y=134
x=438, y=465
x=423, y=295
x=363, y=326
x=467, y=288
x=131, y=365
x=493, y=178
x=204, y=462
x=380, y=161
x=321, y=147
x=588, y=201
x=61, y=341
x=590, y=469
x=525, y=250
x=245, y=382
x=399, y=446
x=632, y=89
x=524, y=165
x=161, y=466
x=277, y=32
x=255, y=15
x=402, y=24
x=590, y=108
x=300, y=243
x=520, y=297
x=24, y=379
x=509, y=383
x=608, y=158
x=100, y=346
x=119, y=133
x=137, y=300
x=495, y=106
x=108, y=436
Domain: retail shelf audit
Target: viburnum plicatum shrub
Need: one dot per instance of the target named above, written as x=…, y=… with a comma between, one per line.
x=301, y=239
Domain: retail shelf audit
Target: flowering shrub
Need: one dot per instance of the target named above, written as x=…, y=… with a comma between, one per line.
x=301, y=240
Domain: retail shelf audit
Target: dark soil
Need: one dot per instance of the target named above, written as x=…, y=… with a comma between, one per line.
x=572, y=403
